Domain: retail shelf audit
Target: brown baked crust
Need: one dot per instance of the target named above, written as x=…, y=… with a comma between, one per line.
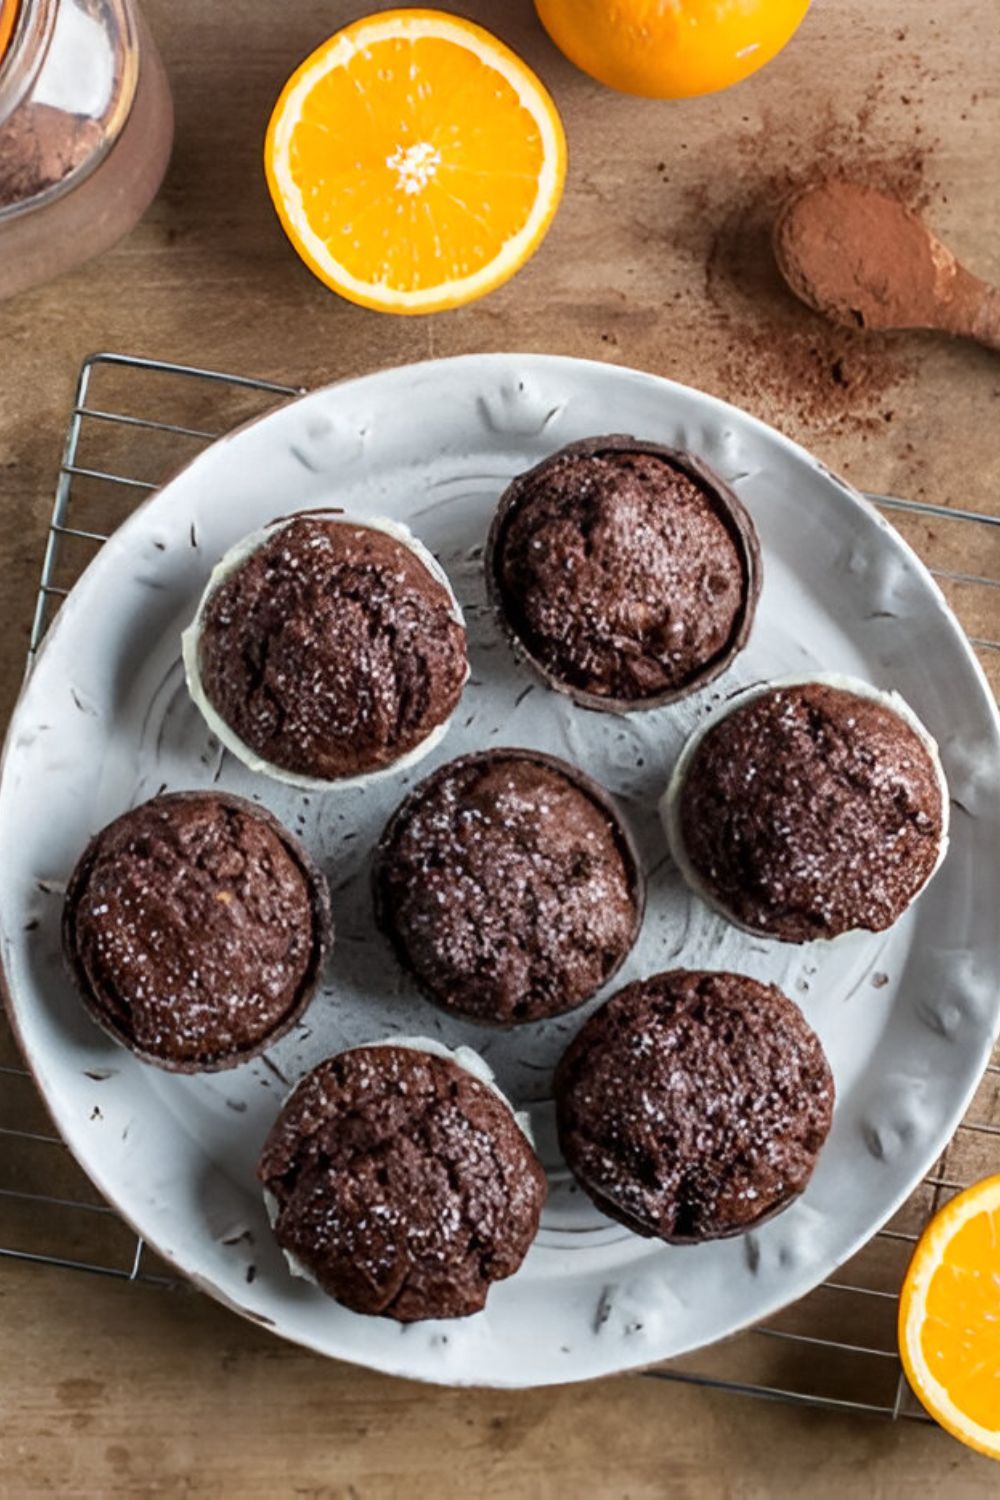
x=195, y=927
x=625, y=571
x=693, y=1105
x=331, y=651
x=509, y=886
x=809, y=811
x=403, y=1183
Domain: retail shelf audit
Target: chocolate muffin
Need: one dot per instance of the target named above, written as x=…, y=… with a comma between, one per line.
x=509, y=886
x=627, y=572
x=325, y=650
x=195, y=927
x=810, y=809
x=401, y=1183
x=692, y=1106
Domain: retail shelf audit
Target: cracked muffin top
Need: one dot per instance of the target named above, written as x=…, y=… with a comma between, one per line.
x=509, y=886
x=402, y=1184
x=195, y=927
x=627, y=572
x=693, y=1105
x=810, y=810
x=331, y=650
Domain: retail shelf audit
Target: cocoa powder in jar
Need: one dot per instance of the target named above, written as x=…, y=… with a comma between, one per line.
x=40, y=146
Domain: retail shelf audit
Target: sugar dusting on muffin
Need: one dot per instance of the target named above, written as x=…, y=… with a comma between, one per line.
x=325, y=650
x=626, y=571
x=402, y=1183
x=811, y=809
x=509, y=886
x=195, y=927
x=693, y=1105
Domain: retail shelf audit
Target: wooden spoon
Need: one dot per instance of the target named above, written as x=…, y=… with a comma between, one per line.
x=864, y=259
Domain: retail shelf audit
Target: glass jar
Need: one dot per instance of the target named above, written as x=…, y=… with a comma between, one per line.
x=86, y=125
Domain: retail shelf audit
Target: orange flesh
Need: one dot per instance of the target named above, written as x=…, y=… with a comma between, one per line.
x=416, y=162
x=960, y=1336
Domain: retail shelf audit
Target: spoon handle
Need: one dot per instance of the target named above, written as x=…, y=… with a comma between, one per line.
x=975, y=310
x=986, y=323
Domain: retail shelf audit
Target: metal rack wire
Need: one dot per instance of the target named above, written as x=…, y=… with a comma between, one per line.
x=134, y=421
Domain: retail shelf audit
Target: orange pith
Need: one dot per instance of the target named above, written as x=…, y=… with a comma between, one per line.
x=949, y=1318
x=415, y=162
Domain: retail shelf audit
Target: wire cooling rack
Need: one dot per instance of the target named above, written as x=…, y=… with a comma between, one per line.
x=134, y=422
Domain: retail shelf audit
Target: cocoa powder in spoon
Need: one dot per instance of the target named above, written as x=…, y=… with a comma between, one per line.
x=860, y=256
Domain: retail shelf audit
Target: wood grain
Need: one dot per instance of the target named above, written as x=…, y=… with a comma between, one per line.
x=657, y=259
x=128, y=1391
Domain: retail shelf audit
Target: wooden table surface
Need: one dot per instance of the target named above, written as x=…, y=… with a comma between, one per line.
x=657, y=259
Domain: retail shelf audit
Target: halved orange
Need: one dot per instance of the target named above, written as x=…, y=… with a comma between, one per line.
x=949, y=1317
x=415, y=162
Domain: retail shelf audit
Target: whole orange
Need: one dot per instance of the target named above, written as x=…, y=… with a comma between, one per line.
x=670, y=49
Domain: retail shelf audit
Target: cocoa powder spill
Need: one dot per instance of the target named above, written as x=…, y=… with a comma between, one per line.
x=775, y=356
x=779, y=354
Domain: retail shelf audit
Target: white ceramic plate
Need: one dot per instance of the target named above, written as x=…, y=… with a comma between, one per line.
x=907, y=1018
